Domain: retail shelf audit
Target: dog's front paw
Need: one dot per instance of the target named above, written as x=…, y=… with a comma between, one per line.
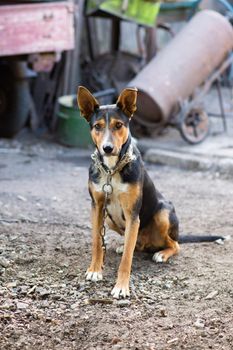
x=94, y=276
x=120, y=291
x=158, y=257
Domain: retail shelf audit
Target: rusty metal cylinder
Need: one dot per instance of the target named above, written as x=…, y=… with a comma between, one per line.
x=183, y=65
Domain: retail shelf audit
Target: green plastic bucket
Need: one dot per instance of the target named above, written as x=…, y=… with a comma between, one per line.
x=72, y=129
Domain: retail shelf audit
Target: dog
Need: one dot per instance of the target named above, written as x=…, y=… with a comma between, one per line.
x=122, y=193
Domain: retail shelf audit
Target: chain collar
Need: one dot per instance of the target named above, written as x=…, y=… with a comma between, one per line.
x=127, y=158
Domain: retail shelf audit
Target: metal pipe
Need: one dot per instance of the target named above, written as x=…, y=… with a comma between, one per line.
x=182, y=66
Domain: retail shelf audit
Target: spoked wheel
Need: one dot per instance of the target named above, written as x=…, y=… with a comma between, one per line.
x=195, y=126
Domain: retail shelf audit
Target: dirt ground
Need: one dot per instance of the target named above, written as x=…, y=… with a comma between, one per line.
x=45, y=302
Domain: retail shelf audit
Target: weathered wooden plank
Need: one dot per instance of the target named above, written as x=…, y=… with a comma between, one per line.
x=31, y=28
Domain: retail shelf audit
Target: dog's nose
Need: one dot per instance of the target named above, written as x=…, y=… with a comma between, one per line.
x=108, y=149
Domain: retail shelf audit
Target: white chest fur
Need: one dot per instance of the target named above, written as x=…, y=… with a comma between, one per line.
x=114, y=207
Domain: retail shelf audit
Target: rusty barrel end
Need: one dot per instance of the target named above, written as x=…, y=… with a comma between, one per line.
x=182, y=66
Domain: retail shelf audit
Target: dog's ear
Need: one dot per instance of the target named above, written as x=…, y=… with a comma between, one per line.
x=127, y=101
x=86, y=102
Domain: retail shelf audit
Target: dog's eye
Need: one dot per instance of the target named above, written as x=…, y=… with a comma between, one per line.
x=118, y=125
x=97, y=127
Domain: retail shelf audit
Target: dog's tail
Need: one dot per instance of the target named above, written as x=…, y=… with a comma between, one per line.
x=202, y=238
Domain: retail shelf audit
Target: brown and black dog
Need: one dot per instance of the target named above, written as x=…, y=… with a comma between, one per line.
x=135, y=208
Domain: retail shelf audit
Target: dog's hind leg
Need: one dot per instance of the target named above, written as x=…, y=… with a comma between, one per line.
x=166, y=233
x=165, y=254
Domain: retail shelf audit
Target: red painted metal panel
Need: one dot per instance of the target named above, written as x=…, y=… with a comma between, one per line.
x=31, y=28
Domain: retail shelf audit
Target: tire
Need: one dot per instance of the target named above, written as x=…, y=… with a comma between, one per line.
x=195, y=126
x=14, y=102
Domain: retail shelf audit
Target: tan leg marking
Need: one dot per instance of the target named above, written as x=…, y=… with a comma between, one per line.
x=157, y=236
x=94, y=272
x=162, y=239
x=127, y=201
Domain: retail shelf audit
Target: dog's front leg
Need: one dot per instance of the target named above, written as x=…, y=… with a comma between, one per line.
x=94, y=272
x=131, y=233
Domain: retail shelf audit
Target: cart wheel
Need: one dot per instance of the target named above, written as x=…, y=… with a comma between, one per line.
x=195, y=126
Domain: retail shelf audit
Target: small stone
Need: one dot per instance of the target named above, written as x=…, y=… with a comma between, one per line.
x=117, y=347
x=4, y=262
x=211, y=295
x=203, y=334
x=123, y=303
x=171, y=341
x=21, y=306
x=2, y=291
x=23, y=289
x=21, y=275
x=167, y=285
x=7, y=306
x=199, y=323
x=44, y=304
x=42, y=291
x=21, y=198
x=65, y=264
x=75, y=305
x=12, y=284
x=2, y=271
x=5, y=316
x=163, y=312
x=26, y=259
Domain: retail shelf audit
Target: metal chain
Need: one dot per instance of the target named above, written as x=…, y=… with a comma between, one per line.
x=107, y=189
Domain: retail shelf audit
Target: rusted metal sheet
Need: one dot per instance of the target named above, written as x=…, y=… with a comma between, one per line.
x=31, y=28
x=182, y=66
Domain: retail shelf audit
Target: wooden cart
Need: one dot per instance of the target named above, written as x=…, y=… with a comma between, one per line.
x=32, y=39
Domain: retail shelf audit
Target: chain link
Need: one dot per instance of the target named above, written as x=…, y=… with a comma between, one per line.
x=107, y=189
